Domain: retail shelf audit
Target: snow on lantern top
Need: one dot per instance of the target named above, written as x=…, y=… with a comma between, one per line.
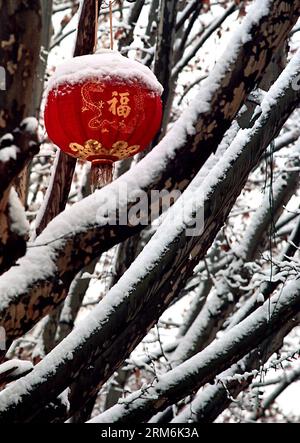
x=104, y=64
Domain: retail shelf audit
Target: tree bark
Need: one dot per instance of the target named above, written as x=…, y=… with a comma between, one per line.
x=20, y=36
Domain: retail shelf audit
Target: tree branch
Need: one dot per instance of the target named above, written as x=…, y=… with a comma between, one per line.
x=131, y=308
x=212, y=400
x=203, y=367
x=185, y=149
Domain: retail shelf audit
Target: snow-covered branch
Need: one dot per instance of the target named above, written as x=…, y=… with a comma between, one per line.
x=210, y=402
x=135, y=303
x=16, y=151
x=41, y=279
x=203, y=367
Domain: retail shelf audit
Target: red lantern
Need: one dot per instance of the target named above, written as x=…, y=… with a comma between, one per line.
x=103, y=108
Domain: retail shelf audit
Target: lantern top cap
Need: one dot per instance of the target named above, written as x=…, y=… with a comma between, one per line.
x=103, y=64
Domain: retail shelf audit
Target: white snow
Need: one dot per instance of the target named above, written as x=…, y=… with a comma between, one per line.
x=19, y=223
x=9, y=153
x=30, y=124
x=260, y=298
x=257, y=11
x=105, y=64
x=17, y=367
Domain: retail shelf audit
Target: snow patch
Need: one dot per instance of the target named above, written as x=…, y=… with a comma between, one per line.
x=19, y=223
x=17, y=367
x=29, y=124
x=9, y=153
x=104, y=64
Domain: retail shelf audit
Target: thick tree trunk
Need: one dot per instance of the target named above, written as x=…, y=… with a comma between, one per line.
x=20, y=148
x=20, y=36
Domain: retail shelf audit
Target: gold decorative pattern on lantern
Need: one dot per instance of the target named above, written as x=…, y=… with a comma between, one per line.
x=88, y=104
x=116, y=113
x=119, y=149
